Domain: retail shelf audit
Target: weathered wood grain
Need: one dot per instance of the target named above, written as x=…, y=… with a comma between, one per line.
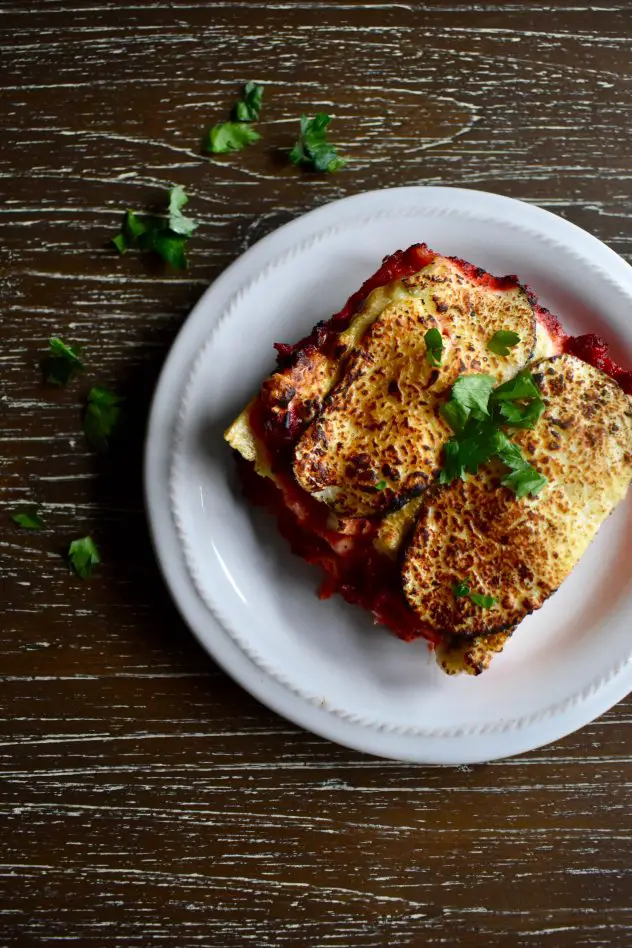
x=146, y=799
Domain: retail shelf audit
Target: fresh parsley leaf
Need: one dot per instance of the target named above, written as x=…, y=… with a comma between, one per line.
x=62, y=362
x=249, y=106
x=485, y=602
x=120, y=243
x=478, y=445
x=521, y=416
x=165, y=237
x=381, y=485
x=455, y=415
x=28, y=518
x=480, y=438
x=83, y=555
x=230, y=136
x=502, y=341
x=525, y=480
x=461, y=588
x=434, y=346
x=171, y=247
x=473, y=391
x=509, y=452
x=101, y=417
x=452, y=464
x=131, y=230
x=312, y=150
x=178, y=223
x=520, y=387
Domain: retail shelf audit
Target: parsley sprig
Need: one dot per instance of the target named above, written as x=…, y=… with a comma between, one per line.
x=434, y=347
x=503, y=341
x=312, y=150
x=62, y=362
x=28, y=517
x=238, y=134
x=165, y=236
x=248, y=107
x=462, y=588
x=101, y=417
x=476, y=412
x=230, y=136
x=83, y=556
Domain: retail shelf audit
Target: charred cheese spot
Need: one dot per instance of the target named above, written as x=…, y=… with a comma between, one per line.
x=383, y=413
x=520, y=551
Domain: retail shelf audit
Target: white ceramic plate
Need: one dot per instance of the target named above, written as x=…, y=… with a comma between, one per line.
x=253, y=605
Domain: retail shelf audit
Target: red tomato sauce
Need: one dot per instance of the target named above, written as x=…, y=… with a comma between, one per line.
x=352, y=566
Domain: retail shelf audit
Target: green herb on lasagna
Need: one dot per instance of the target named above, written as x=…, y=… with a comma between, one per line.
x=462, y=588
x=434, y=347
x=101, y=417
x=381, y=485
x=62, y=362
x=28, y=518
x=476, y=413
x=312, y=150
x=248, y=107
x=472, y=393
x=520, y=387
x=485, y=602
x=83, y=556
x=230, y=136
x=503, y=341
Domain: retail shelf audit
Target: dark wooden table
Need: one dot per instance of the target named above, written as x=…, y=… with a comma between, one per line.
x=145, y=798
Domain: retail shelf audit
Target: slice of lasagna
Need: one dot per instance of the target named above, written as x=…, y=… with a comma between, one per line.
x=448, y=508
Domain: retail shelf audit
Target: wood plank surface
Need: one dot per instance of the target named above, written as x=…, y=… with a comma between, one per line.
x=144, y=798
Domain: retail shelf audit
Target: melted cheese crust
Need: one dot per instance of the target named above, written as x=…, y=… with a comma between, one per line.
x=520, y=551
x=380, y=424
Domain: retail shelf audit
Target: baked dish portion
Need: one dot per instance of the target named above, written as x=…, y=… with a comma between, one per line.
x=442, y=450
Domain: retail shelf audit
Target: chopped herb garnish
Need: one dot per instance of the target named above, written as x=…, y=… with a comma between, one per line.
x=520, y=387
x=101, y=417
x=178, y=223
x=525, y=480
x=83, y=556
x=485, y=602
x=476, y=413
x=455, y=415
x=503, y=341
x=230, y=136
x=521, y=416
x=62, y=362
x=381, y=485
x=166, y=236
x=462, y=588
x=477, y=444
x=509, y=452
x=434, y=346
x=28, y=518
x=312, y=150
x=472, y=392
x=248, y=107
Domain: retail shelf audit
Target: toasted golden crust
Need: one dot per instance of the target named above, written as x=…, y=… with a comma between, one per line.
x=381, y=424
x=519, y=551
